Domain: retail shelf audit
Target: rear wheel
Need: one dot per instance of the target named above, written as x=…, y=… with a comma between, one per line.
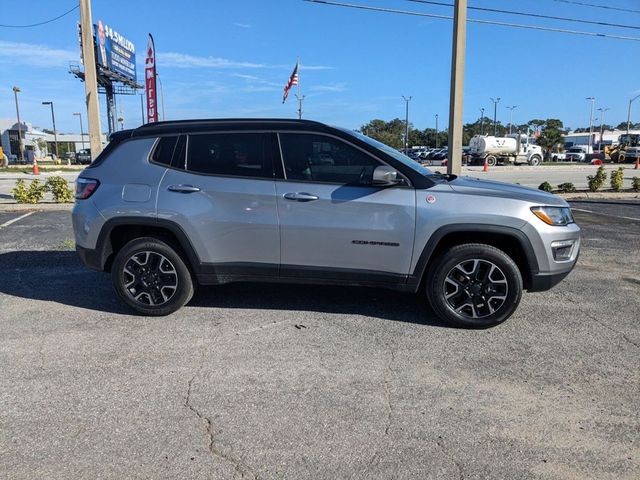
x=151, y=277
x=491, y=161
x=474, y=285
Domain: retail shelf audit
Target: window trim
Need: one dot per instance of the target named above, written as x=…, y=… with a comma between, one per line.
x=307, y=132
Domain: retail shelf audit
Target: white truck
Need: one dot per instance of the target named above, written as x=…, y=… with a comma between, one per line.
x=513, y=148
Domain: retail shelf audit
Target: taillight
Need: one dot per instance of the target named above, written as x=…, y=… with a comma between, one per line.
x=85, y=187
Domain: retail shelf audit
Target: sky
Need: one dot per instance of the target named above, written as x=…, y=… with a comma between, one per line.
x=220, y=59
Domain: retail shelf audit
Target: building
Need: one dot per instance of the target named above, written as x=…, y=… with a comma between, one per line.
x=609, y=137
x=38, y=143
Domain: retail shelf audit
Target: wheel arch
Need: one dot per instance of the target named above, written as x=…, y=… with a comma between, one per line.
x=510, y=240
x=116, y=232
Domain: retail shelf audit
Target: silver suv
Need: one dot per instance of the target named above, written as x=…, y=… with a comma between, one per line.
x=171, y=205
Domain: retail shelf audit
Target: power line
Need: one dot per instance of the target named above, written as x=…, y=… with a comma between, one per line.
x=485, y=22
x=534, y=15
x=605, y=7
x=40, y=23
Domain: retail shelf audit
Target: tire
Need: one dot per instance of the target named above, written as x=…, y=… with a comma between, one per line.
x=139, y=270
x=459, y=270
x=491, y=161
x=622, y=157
x=535, y=160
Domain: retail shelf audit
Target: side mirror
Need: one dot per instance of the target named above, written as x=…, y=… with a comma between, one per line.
x=384, y=176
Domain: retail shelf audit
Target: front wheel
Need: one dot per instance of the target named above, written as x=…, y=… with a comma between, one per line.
x=534, y=161
x=151, y=277
x=491, y=161
x=474, y=286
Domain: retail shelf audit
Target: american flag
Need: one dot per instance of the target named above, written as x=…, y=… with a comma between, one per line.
x=293, y=80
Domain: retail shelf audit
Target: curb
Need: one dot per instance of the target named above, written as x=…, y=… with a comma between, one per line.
x=600, y=196
x=35, y=207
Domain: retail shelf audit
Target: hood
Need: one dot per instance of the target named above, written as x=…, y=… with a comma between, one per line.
x=489, y=188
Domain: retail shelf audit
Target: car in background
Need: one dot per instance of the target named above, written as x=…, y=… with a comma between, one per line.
x=83, y=157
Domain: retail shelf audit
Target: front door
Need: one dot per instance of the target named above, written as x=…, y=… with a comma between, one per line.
x=333, y=222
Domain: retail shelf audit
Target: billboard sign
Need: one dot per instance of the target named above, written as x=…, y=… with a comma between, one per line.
x=114, y=52
x=150, y=82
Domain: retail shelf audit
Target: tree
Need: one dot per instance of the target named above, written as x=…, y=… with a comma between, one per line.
x=390, y=133
x=551, y=134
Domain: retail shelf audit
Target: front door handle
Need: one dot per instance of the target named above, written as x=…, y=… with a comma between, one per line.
x=183, y=188
x=300, y=196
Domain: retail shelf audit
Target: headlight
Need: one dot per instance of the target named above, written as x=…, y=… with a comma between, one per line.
x=557, y=216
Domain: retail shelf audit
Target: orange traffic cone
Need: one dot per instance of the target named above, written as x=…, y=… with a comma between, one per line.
x=637, y=165
x=486, y=166
x=36, y=169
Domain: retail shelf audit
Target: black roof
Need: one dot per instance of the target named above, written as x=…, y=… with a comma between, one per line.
x=184, y=126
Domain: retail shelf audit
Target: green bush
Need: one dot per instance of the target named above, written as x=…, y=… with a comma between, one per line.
x=635, y=183
x=20, y=192
x=617, y=179
x=33, y=194
x=567, y=187
x=597, y=181
x=546, y=186
x=60, y=189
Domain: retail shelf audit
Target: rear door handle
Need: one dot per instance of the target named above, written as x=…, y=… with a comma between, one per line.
x=300, y=196
x=183, y=188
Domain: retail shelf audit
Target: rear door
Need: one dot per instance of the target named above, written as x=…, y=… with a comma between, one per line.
x=333, y=222
x=220, y=189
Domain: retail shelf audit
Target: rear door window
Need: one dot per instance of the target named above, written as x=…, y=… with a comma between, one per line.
x=233, y=154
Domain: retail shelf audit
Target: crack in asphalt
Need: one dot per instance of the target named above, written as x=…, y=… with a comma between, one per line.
x=387, y=392
x=444, y=450
x=599, y=322
x=243, y=470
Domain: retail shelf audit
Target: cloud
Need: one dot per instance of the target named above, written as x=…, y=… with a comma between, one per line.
x=36, y=55
x=241, y=25
x=334, y=87
x=184, y=60
x=315, y=67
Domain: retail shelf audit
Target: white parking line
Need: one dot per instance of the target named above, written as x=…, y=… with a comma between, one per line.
x=605, y=214
x=14, y=220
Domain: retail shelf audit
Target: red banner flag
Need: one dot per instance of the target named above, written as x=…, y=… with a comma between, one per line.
x=150, y=82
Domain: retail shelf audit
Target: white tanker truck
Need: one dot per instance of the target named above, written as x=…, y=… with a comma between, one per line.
x=514, y=148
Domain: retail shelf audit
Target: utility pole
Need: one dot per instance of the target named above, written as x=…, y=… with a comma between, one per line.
x=142, y=109
x=602, y=110
x=90, y=78
x=482, y=121
x=55, y=132
x=406, y=123
x=512, y=108
x=437, y=139
x=593, y=106
x=458, y=52
x=495, y=116
x=20, y=141
x=81, y=129
x=628, y=113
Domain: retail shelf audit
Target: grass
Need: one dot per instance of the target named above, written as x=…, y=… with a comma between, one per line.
x=43, y=168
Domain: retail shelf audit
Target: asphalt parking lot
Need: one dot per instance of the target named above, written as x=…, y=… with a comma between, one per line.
x=271, y=381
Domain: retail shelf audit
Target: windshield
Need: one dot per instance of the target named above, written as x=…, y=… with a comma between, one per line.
x=391, y=152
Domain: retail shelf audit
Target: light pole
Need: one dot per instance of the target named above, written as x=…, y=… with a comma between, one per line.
x=406, y=123
x=512, y=108
x=55, y=132
x=81, y=129
x=602, y=110
x=628, y=113
x=482, y=121
x=16, y=90
x=495, y=115
x=436, y=130
x=593, y=106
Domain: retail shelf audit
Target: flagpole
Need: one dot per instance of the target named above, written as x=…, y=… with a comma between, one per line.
x=298, y=96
